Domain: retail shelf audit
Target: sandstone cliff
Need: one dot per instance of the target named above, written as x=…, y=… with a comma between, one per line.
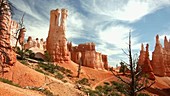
x=87, y=56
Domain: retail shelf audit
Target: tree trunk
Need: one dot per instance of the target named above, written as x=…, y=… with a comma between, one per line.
x=79, y=68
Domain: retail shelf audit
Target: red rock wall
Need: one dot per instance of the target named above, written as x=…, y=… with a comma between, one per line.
x=104, y=59
x=87, y=55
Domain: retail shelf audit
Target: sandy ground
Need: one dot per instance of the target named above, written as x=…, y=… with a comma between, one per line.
x=9, y=90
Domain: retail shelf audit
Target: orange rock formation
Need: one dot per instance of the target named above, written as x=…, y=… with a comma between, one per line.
x=144, y=62
x=7, y=56
x=160, y=63
x=87, y=55
x=61, y=51
x=56, y=40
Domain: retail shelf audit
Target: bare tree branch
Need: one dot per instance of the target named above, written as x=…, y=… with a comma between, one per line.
x=125, y=52
x=145, y=87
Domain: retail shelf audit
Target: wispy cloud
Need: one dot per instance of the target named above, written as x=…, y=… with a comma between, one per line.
x=124, y=10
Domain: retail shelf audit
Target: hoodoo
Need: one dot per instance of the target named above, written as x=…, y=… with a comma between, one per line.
x=56, y=40
x=160, y=63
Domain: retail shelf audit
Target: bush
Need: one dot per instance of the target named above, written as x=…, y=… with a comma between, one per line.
x=47, y=67
x=119, y=87
x=32, y=55
x=44, y=91
x=47, y=56
x=106, y=89
x=23, y=62
x=106, y=83
x=90, y=92
x=83, y=81
x=55, y=69
x=41, y=71
x=59, y=75
x=9, y=82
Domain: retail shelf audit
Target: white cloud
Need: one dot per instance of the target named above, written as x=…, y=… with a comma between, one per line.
x=74, y=25
x=126, y=10
x=116, y=35
x=108, y=51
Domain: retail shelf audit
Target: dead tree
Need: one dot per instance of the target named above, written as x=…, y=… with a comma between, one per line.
x=19, y=33
x=138, y=81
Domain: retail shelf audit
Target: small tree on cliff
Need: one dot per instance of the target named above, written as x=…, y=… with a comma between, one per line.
x=123, y=68
x=138, y=81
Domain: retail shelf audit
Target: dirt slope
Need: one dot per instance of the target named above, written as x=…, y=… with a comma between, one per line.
x=25, y=76
x=9, y=90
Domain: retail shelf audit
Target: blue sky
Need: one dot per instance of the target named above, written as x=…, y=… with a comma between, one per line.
x=104, y=22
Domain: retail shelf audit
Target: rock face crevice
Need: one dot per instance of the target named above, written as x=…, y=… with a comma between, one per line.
x=160, y=63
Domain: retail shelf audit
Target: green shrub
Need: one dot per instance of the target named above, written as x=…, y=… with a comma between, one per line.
x=32, y=55
x=119, y=87
x=106, y=83
x=105, y=90
x=44, y=91
x=23, y=62
x=55, y=69
x=90, y=92
x=47, y=56
x=41, y=71
x=9, y=82
x=114, y=94
x=59, y=75
x=83, y=81
x=47, y=67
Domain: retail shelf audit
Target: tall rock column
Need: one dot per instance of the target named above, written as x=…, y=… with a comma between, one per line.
x=144, y=63
x=141, y=56
x=158, y=59
x=166, y=56
x=56, y=40
x=7, y=56
x=147, y=68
